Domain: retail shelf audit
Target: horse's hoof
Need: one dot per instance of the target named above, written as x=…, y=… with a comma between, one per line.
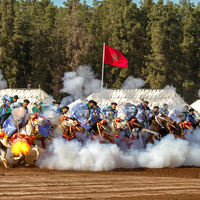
x=5, y=163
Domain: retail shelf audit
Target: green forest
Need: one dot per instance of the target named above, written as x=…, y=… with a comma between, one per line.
x=40, y=41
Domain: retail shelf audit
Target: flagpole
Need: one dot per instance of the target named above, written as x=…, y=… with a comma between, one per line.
x=102, y=66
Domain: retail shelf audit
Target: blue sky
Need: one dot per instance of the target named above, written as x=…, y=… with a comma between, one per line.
x=89, y=2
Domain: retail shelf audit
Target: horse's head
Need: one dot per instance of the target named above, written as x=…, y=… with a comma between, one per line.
x=65, y=121
x=164, y=119
x=134, y=123
x=37, y=119
x=119, y=124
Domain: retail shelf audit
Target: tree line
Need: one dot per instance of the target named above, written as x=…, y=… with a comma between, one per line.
x=40, y=41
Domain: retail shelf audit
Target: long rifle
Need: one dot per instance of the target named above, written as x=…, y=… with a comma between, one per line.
x=102, y=113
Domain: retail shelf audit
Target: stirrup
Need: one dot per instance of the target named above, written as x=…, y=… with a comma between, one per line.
x=5, y=139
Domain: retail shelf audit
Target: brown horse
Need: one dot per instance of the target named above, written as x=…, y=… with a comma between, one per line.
x=178, y=129
x=70, y=127
x=158, y=124
x=101, y=130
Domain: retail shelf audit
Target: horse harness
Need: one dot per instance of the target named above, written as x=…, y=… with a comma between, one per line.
x=158, y=120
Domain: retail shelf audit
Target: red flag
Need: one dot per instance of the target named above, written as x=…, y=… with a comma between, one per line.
x=114, y=57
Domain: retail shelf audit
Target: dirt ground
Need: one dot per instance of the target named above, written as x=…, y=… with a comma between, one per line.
x=32, y=182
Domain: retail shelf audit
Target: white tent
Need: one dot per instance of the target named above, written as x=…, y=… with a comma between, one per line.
x=123, y=96
x=33, y=95
x=196, y=105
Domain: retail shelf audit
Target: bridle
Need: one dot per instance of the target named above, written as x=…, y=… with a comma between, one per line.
x=158, y=120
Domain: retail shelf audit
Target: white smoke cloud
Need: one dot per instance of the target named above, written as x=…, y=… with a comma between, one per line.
x=168, y=87
x=80, y=84
x=73, y=85
x=169, y=152
x=133, y=83
x=3, y=82
x=83, y=82
x=18, y=114
x=52, y=116
x=66, y=101
x=93, y=156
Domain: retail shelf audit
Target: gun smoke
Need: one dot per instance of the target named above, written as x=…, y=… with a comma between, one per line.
x=83, y=82
x=93, y=156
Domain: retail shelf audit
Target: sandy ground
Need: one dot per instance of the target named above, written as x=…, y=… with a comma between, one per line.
x=32, y=182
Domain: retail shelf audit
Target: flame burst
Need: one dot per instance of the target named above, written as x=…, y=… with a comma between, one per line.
x=20, y=146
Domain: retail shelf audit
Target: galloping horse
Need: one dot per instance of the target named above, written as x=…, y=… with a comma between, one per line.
x=178, y=130
x=70, y=128
x=101, y=130
x=27, y=135
x=158, y=125
x=30, y=133
x=124, y=130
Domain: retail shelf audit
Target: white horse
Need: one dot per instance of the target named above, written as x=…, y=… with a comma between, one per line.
x=26, y=131
x=57, y=130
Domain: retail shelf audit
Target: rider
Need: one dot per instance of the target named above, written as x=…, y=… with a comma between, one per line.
x=65, y=110
x=7, y=101
x=6, y=104
x=55, y=107
x=164, y=110
x=155, y=110
x=186, y=113
x=192, y=117
x=144, y=113
x=79, y=109
x=96, y=114
x=176, y=116
x=37, y=109
x=130, y=111
x=15, y=119
x=110, y=111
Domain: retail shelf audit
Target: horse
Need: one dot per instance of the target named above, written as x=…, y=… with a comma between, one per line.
x=124, y=130
x=178, y=129
x=65, y=128
x=19, y=135
x=102, y=131
x=185, y=127
x=157, y=127
x=71, y=129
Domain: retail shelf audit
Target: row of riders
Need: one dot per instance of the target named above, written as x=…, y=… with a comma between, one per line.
x=39, y=128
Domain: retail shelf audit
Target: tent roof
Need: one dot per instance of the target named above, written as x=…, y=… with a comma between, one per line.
x=196, y=105
x=33, y=95
x=123, y=96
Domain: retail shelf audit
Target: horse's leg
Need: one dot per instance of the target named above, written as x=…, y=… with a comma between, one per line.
x=150, y=139
x=35, y=148
x=140, y=136
x=153, y=138
x=23, y=161
x=3, y=155
x=19, y=158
